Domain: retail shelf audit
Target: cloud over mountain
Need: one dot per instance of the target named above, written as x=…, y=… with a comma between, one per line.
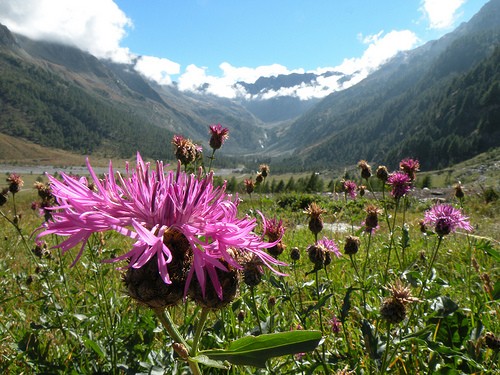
x=100, y=26
x=441, y=13
x=96, y=26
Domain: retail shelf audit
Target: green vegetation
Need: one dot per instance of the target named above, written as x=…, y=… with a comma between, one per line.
x=41, y=107
x=440, y=111
x=54, y=317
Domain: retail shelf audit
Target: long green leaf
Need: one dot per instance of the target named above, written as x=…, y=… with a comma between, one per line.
x=256, y=350
x=93, y=345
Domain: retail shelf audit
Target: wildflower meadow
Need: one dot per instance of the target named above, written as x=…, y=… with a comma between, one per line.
x=156, y=269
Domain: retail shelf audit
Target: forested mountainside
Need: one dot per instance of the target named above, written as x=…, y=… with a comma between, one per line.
x=435, y=103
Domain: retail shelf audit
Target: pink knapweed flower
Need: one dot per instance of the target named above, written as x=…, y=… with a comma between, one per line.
x=330, y=246
x=401, y=184
x=218, y=136
x=350, y=188
x=446, y=219
x=148, y=203
x=409, y=167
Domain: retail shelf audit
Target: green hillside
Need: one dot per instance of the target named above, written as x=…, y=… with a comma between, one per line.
x=440, y=113
x=38, y=106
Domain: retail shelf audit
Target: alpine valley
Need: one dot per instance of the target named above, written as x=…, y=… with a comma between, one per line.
x=439, y=103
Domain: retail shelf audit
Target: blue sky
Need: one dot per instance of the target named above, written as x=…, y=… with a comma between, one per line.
x=219, y=42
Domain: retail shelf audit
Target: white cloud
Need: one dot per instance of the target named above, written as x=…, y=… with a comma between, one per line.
x=96, y=26
x=380, y=49
x=195, y=78
x=441, y=13
x=157, y=69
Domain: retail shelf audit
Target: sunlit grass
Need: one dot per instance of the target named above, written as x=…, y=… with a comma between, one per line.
x=53, y=317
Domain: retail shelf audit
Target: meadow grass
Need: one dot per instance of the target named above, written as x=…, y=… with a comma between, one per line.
x=57, y=320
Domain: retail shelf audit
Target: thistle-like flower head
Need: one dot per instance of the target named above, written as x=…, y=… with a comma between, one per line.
x=148, y=205
x=218, y=136
x=401, y=293
x=409, y=167
x=15, y=182
x=366, y=170
x=446, y=219
x=401, y=184
x=350, y=188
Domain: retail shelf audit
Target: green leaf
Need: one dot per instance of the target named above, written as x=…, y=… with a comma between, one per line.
x=204, y=360
x=93, y=345
x=256, y=350
x=488, y=248
x=346, y=306
x=321, y=303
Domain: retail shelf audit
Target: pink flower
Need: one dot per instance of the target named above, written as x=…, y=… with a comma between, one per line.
x=218, y=136
x=350, y=188
x=446, y=219
x=330, y=245
x=400, y=183
x=409, y=167
x=147, y=203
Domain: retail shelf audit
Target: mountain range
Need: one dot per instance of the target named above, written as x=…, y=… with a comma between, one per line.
x=439, y=103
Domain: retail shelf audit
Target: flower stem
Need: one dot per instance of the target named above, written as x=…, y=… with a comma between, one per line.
x=211, y=160
x=199, y=329
x=424, y=283
x=319, y=309
x=384, y=360
x=256, y=312
x=169, y=325
x=364, y=268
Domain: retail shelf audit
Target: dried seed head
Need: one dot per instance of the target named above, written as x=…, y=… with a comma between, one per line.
x=295, y=254
x=315, y=220
x=423, y=227
x=249, y=185
x=15, y=182
x=459, y=191
x=277, y=249
x=475, y=264
x=487, y=284
x=252, y=270
x=316, y=255
x=366, y=170
x=362, y=190
x=259, y=178
x=401, y=293
x=185, y=150
x=264, y=170
x=351, y=245
x=371, y=220
x=271, y=302
x=382, y=173
x=393, y=311
x=40, y=249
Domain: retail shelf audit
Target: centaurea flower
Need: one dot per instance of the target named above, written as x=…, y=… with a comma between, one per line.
x=446, y=219
x=401, y=184
x=409, y=167
x=350, y=188
x=218, y=136
x=149, y=205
